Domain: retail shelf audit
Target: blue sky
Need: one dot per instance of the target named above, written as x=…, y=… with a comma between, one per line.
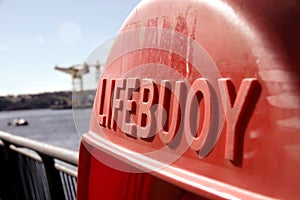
x=37, y=35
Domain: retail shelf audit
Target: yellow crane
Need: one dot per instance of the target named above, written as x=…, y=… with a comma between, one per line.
x=76, y=72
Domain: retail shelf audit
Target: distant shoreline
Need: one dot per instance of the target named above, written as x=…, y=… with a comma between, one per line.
x=47, y=100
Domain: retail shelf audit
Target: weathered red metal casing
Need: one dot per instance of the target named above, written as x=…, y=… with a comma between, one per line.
x=254, y=152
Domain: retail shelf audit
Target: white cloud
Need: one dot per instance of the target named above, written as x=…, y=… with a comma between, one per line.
x=41, y=40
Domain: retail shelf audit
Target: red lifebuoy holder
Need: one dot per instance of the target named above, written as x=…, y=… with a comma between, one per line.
x=198, y=99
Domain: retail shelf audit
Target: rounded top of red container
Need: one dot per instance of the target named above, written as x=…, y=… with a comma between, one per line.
x=206, y=95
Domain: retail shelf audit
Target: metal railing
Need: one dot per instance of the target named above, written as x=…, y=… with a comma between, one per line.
x=36, y=170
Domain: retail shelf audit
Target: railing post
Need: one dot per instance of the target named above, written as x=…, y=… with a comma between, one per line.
x=4, y=186
x=11, y=185
x=53, y=177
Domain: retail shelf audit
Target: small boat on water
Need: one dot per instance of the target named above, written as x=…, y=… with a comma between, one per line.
x=20, y=122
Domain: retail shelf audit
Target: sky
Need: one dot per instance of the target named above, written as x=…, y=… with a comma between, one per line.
x=37, y=35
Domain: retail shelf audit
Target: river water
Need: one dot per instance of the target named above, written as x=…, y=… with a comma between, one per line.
x=56, y=127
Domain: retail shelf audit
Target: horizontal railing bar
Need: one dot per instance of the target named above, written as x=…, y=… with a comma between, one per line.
x=65, y=170
x=26, y=153
x=66, y=155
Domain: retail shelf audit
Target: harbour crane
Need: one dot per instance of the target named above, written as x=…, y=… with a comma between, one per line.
x=78, y=70
x=76, y=73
